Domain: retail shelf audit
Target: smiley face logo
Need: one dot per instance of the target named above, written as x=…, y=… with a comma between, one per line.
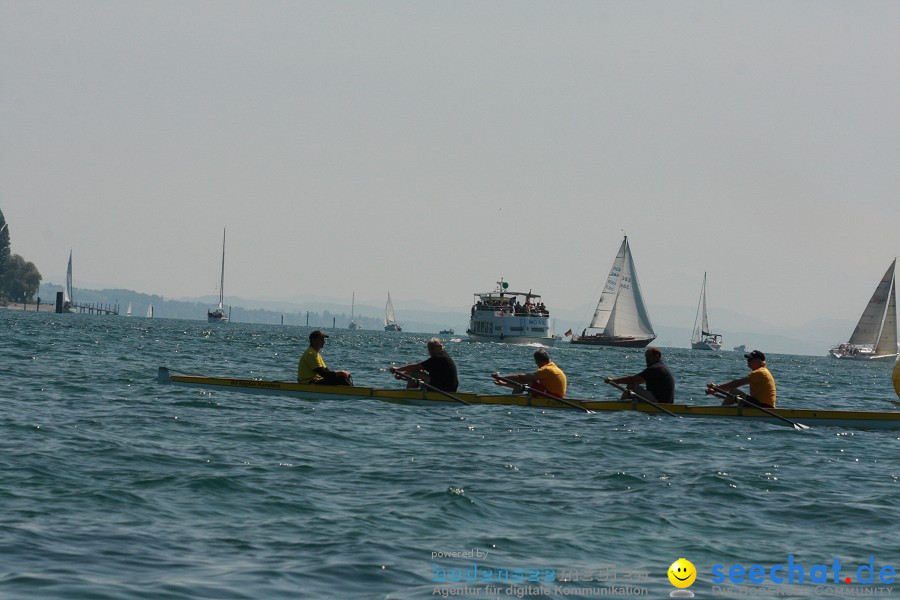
x=682, y=573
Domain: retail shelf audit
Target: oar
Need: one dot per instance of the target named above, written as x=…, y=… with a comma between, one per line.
x=642, y=399
x=716, y=390
x=403, y=375
x=531, y=390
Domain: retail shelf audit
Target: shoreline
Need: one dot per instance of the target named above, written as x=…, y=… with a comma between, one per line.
x=45, y=307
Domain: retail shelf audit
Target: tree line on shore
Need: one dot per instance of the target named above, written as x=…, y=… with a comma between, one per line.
x=19, y=278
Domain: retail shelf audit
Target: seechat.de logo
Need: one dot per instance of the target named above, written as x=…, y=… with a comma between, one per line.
x=794, y=572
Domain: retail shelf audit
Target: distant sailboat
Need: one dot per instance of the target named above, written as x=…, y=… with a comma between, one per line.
x=621, y=315
x=69, y=291
x=353, y=326
x=702, y=338
x=150, y=311
x=875, y=336
x=218, y=315
x=390, y=318
x=128, y=312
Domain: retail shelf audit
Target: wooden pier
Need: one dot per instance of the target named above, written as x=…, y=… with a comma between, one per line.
x=100, y=309
x=88, y=307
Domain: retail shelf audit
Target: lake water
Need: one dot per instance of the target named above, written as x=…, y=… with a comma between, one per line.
x=113, y=486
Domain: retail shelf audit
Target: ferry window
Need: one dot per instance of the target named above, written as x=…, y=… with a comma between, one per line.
x=518, y=329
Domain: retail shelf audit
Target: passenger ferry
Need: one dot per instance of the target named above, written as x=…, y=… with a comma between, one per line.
x=509, y=317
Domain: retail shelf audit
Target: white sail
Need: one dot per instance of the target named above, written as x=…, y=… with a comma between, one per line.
x=128, y=312
x=871, y=324
x=621, y=310
x=887, y=343
x=390, y=318
x=150, y=311
x=705, y=321
x=68, y=292
x=701, y=324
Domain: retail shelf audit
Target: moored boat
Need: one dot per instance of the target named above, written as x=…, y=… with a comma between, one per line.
x=446, y=332
x=509, y=317
x=702, y=338
x=875, y=336
x=390, y=317
x=353, y=326
x=218, y=315
x=621, y=317
x=812, y=417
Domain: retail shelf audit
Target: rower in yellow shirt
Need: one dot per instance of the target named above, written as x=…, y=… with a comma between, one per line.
x=762, y=384
x=548, y=378
x=311, y=367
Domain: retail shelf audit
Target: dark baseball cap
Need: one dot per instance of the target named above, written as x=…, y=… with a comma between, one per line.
x=755, y=354
x=316, y=334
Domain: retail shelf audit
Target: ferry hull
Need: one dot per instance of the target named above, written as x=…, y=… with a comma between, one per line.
x=812, y=417
x=510, y=339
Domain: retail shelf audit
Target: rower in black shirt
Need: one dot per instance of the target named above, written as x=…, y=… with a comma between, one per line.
x=438, y=370
x=657, y=377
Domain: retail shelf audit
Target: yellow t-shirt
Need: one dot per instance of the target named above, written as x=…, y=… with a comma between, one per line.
x=552, y=379
x=762, y=386
x=306, y=368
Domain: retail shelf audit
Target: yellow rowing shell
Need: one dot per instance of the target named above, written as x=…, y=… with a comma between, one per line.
x=813, y=417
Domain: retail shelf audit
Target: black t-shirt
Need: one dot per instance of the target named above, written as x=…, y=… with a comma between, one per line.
x=442, y=371
x=660, y=382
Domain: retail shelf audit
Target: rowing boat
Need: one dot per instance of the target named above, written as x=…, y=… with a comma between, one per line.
x=815, y=417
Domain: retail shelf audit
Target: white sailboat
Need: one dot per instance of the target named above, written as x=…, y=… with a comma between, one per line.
x=150, y=311
x=128, y=312
x=875, y=336
x=69, y=291
x=218, y=315
x=390, y=318
x=353, y=326
x=702, y=338
x=621, y=318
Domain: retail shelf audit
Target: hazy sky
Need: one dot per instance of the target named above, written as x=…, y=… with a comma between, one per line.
x=429, y=148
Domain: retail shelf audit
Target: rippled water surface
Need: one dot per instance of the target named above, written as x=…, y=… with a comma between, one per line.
x=113, y=486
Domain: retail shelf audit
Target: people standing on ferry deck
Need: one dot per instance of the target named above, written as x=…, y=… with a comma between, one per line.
x=657, y=376
x=311, y=368
x=438, y=370
x=548, y=378
x=762, y=384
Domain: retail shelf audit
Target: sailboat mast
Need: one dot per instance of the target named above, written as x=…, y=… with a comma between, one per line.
x=222, y=280
x=705, y=325
x=697, y=336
